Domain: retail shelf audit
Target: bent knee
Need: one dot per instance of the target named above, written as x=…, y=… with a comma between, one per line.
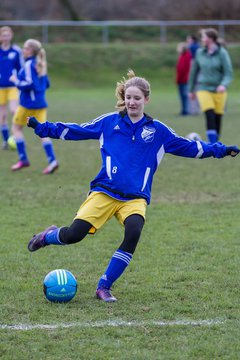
x=69, y=236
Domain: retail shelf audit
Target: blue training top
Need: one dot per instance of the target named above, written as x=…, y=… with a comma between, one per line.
x=32, y=86
x=11, y=62
x=130, y=152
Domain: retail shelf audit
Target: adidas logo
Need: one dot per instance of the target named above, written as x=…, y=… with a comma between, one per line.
x=116, y=127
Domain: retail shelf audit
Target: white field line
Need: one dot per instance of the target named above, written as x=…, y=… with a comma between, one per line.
x=111, y=323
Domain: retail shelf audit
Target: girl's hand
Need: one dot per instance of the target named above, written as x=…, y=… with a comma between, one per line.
x=13, y=78
x=221, y=89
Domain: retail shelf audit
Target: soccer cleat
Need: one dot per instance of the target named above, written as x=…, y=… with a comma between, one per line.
x=37, y=241
x=20, y=164
x=5, y=145
x=51, y=167
x=105, y=295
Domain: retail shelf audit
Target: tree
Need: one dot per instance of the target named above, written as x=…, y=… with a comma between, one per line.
x=73, y=14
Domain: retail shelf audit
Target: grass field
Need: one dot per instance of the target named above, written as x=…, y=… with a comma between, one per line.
x=179, y=298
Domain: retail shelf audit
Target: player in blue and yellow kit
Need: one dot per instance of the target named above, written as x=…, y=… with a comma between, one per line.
x=32, y=81
x=10, y=63
x=132, y=146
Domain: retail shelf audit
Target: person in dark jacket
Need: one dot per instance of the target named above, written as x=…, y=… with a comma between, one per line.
x=192, y=44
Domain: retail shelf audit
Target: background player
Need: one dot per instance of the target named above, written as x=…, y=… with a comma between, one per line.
x=33, y=82
x=10, y=63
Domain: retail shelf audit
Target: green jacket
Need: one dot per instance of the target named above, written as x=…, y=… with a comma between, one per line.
x=210, y=71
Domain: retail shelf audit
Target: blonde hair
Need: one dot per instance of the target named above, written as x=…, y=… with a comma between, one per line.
x=40, y=53
x=133, y=80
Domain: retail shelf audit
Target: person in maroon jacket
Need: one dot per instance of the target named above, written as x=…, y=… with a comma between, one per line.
x=182, y=75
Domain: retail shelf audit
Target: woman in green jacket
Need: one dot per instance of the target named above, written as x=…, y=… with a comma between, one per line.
x=212, y=70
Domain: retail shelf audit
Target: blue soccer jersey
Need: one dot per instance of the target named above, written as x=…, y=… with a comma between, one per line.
x=32, y=86
x=131, y=153
x=11, y=62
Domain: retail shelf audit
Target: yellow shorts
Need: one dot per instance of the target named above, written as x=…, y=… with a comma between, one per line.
x=99, y=207
x=8, y=94
x=22, y=113
x=209, y=100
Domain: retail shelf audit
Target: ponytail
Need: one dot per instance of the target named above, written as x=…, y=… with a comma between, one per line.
x=41, y=62
x=39, y=52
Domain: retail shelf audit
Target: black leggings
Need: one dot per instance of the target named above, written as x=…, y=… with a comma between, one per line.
x=213, y=121
x=133, y=228
x=80, y=228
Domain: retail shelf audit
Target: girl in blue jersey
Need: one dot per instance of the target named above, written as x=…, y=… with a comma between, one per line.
x=10, y=63
x=32, y=81
x=122, y=188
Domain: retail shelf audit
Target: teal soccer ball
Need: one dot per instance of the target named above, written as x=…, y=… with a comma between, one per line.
x=60, y=286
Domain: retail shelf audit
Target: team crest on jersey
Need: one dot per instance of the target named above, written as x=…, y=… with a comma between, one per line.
x=11, y=55
x=148, y=133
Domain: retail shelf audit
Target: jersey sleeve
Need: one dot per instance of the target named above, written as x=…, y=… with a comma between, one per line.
x=48, y=83
x=71, y=131
x=29, y=79
x=227, y=68
x=194, y=71
x=180, y=146
x=19, y=60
